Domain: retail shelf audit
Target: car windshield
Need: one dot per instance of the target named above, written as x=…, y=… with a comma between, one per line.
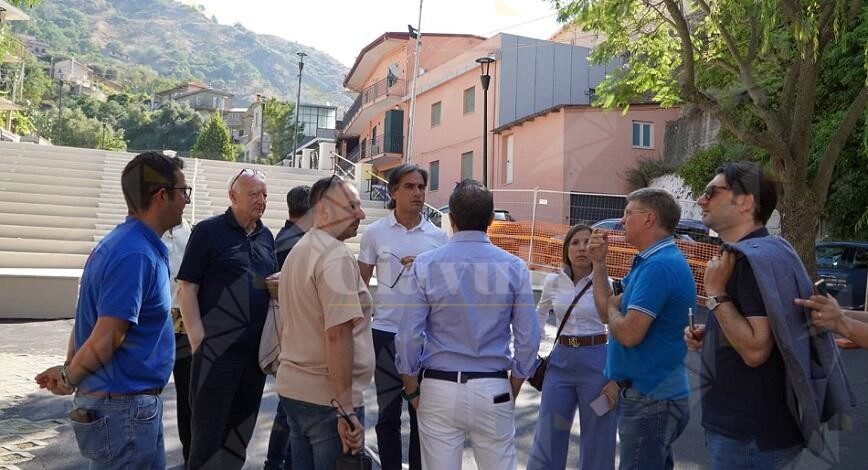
x=831, y=257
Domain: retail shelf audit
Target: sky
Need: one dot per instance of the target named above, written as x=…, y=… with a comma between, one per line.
x=341, y=28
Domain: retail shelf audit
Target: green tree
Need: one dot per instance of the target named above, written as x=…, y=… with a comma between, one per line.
x=280, y=125
x=753, y=65
x=214, y=142
x=176, y=127
x=79, y=130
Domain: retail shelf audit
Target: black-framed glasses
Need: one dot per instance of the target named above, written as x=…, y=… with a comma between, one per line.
x=188, y=191
x=249, y=171
x=711, y=190
x=403, y=268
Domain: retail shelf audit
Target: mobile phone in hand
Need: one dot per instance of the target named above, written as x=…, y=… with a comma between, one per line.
x=820, y=287
x=600, y=405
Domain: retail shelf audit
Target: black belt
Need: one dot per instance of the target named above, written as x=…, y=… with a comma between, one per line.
x=463, y=377
x=99, y=394
x=624, y=383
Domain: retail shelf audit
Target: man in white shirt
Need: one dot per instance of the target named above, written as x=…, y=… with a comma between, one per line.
x=391, y=244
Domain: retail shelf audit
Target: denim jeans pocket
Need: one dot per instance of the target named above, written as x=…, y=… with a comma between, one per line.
x=147, y=408
x=93, y=439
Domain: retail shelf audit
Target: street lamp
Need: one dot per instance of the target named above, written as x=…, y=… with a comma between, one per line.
x=301, y=56
x=261, y=100
x=484, y=66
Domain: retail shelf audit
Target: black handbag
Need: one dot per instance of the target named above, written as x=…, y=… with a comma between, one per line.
x=360, y=461
x=536, y=381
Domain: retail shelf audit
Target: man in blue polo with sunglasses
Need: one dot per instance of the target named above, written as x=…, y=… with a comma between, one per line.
x=390, y=245
x=224, y=302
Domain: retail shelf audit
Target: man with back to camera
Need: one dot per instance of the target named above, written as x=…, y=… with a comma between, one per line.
x=646, y=351
x=326, y=354
x=465, y=303
x=224, y=302
x=390, y=244
x=745, y=397
x=298, y=223
x=122, y=346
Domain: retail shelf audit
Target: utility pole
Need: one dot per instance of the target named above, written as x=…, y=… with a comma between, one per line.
x=301, y=56
x=411, y=120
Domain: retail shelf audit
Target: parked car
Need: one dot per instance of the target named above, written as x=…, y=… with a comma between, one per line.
x=844, y=267
x=501, y=215
x=687, y=229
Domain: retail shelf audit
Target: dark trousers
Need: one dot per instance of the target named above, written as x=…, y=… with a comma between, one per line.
x=278, y=456
x=181, y=373
x=226, y=390
x=390, y=403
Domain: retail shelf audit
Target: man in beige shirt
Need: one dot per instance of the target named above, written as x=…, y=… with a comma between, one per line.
x=326, y=345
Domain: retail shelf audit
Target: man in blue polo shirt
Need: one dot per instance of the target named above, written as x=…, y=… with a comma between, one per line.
x=123, y=342
x=647, y=351
x=224, y=302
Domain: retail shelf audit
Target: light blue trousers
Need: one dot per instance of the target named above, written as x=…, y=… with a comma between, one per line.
x=574, y=378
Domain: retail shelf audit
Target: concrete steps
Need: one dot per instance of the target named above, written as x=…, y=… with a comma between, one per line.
x=56, y=203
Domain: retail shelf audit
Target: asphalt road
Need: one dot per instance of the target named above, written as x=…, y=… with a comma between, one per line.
x=26, y=347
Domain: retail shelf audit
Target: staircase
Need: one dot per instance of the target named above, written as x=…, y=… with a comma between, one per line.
x=57, y=202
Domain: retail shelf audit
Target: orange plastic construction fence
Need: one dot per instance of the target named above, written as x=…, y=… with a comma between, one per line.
x=541, y=245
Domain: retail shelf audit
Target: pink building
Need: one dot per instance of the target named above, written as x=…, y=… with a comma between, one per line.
x=542, y=130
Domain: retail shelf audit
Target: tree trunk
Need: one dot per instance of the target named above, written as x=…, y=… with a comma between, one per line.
x=799, y=219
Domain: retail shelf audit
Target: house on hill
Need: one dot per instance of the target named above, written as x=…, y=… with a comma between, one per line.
x=202, y=98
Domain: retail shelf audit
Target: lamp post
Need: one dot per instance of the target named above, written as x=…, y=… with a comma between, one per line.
x=411, y=119
x=484, y=66
x=59, y=107
x=261, y=100
x=301, y=56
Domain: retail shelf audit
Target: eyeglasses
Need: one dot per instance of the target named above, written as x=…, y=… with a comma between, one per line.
x=403, y=268
x=188, y=191
x=629, y=212
x=710, y=191
x=249, y=171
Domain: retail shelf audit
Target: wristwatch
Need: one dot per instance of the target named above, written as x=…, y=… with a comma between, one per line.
x=715, y=300
x=412, y=395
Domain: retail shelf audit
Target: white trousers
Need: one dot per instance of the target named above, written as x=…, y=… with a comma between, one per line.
x=449, y=412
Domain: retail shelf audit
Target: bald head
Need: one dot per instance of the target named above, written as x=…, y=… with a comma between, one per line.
x=248, y=194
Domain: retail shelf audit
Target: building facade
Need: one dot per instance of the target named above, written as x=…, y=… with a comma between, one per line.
x=542, y=130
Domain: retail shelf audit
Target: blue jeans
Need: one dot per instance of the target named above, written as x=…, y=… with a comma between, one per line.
x=278, y=457
x=732, y=454
x=574, y=378
x=647, y=427
x=313, y=433
x=126, y=432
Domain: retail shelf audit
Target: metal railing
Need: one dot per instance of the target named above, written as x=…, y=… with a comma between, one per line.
x=343, y=167
x=387, y=87
x=382, y=144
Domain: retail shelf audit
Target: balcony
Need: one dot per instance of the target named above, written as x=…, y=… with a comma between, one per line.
x=372, y=100
x=382, y=151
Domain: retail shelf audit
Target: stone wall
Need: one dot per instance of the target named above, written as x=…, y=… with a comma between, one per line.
x=693, y=131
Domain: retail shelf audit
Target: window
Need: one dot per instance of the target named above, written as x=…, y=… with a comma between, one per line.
x=466, y=166
x=434, y=174
x=470, y=100
x=642, y=135
x=435, y=114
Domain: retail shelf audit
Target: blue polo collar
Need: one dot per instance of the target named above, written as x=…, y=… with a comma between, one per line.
x=149, y=235
x=657, y=246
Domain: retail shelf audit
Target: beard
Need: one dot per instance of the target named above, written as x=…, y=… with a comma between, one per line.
x=349, y=232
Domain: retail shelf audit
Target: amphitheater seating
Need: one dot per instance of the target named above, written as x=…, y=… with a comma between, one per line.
x=57, y=202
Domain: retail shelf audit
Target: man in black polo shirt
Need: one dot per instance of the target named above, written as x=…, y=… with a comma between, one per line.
x=743, y=379
x=296, y=225
x=224, y=303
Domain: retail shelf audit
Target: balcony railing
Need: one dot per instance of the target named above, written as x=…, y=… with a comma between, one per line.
x=383, y=144
x=387, y=87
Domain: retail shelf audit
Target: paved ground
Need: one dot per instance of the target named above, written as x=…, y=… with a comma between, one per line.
x=34, y=433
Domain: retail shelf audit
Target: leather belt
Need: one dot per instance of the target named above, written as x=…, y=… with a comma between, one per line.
x=463, y=377
x=579, y=341
x=99, y=394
